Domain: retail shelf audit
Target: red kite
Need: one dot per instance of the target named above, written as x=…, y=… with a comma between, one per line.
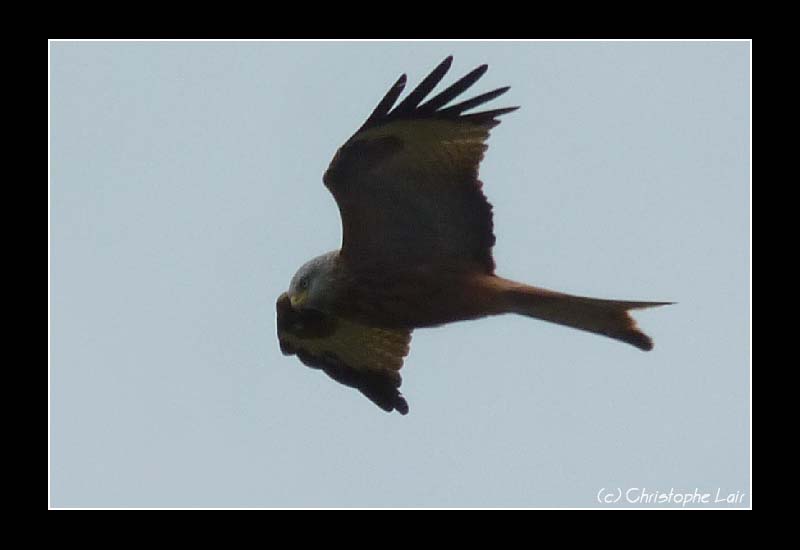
x=416, y=246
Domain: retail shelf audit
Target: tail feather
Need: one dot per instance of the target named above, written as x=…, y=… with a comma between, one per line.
x=606, y=317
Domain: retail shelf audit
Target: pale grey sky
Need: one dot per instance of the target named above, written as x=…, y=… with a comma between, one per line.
x=186, y=190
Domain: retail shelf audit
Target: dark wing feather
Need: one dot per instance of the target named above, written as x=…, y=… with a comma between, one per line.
x=455, y=90
x=459, y=108
x=365, y=358
x=387, y=102
x=412, y=101
x=406, y=182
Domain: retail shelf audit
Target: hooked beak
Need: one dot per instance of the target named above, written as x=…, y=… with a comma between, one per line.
x=298, y=299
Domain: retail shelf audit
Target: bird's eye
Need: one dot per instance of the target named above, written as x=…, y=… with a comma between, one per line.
x=303, y=284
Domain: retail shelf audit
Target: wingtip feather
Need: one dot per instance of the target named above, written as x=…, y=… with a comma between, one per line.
x=413, y=106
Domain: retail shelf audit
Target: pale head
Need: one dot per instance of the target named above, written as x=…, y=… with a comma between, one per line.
x=310, y=286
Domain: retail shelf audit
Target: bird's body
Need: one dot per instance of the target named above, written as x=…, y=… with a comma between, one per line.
x=416, y=247
x=414, y=296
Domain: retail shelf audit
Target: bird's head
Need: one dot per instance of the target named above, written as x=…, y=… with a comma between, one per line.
x=310, y=286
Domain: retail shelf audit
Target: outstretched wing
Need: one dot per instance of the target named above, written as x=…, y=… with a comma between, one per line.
x=406, y=182
x=362, y=357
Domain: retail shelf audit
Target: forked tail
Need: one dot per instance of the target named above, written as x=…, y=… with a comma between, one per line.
x=607, y=317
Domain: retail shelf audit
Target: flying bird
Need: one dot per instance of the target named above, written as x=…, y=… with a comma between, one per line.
x=417, y=239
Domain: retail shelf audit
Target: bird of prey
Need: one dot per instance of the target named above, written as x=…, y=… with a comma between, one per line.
x=417, y=239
